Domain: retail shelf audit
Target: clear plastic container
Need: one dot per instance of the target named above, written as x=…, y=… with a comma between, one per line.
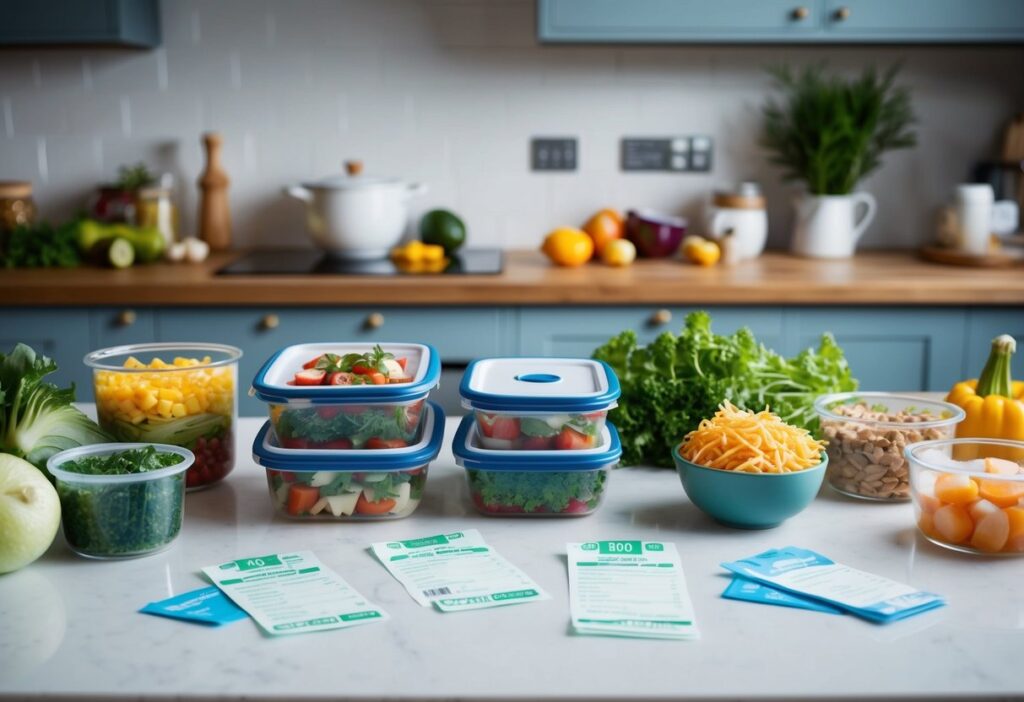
x=346, y=417
x=968, y=494
x=180, y=394
x=540, y=404
x=535, y=483
x=867, y=433
x=349, y=484
x=120, y=516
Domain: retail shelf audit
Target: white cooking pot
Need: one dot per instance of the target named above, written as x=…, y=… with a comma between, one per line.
x=356, y=216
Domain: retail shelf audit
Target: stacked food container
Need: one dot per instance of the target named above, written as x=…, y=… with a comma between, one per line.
x=537, y=441
x=350, y=433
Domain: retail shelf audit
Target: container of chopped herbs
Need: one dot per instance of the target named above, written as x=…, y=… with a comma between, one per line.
x=121, y=500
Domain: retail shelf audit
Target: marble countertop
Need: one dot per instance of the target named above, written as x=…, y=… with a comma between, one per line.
x=69, y=627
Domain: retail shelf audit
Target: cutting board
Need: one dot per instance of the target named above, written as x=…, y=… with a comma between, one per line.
x=954, y=257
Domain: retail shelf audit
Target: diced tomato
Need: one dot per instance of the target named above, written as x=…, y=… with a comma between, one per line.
x=310, y=377
x=286, y=476
x=312, y=362
x=335, y=444
x=571, y=439
x=378, y=443
x=329, y=411
x=294, y=443
x=499, y=427
x=378, y=378
x=414, y=471
x=364, y=506
x=538, y=443
x=403, y=362
x=576, y=507
x=338, y=378
x=301, y=498
x=595, y=416
x=360, y=369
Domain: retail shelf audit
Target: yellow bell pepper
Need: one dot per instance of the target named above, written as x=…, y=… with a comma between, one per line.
x=994, y=403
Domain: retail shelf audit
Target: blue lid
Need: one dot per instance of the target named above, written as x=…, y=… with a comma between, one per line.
x=267, y=453
x=468, y=454
x=271, y=382
x=572, y=385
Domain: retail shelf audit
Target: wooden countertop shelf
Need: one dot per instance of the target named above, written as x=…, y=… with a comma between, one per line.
x=871, y=278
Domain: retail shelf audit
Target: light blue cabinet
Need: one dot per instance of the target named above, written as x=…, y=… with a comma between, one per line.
x=128, y=23
x=985, y=325
x=780, y=21
x=61, y=334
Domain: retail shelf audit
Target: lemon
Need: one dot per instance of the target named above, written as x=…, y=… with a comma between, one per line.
x=568, y=246
x=618, y=252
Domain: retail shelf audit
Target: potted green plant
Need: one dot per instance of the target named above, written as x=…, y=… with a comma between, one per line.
x=829, y=132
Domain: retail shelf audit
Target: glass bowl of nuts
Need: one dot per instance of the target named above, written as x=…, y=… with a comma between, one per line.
x=867, y=433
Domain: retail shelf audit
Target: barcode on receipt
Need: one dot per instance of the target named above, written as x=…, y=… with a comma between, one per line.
x=437, y=591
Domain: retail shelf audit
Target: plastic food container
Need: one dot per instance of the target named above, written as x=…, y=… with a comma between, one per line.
x=969, y=494
x=535, y=483
x=180, y=394
x=120, y=516
x=867, y=433
x=540, y=404
x=343, y=417
x=351, y=484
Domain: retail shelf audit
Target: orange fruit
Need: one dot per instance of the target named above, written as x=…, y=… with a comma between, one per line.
x=1004, y=493
x=1015, y=538
x=604, y=227
x=956, y=488
x=568, y=246
x=953, y=524
x=991, y=533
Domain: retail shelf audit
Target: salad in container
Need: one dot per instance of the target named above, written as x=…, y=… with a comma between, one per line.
x=349, y=484
x=348, y=396
x=179, y=394
x=535, y=483
x=540, y=404
x=120, y=500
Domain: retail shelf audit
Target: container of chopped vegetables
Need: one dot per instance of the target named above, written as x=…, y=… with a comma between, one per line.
x=348, y=396
x=350, y=484
x=179, y=394
x=546, y=482
x=121, y=500
x=539, y=404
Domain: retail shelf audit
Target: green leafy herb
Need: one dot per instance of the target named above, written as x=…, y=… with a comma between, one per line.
x=829, y=132
x=669, y=386
x=134, y=177
x=127, y=462
x=310, y=425
x=37, y=418
x=40, y=246
x=512, y=491
x=531, y=426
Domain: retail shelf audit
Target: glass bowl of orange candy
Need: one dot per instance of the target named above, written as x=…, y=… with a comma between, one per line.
x=968, y=494
x=179, y=394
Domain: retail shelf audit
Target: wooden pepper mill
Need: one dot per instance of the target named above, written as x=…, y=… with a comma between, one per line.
x=214, y=213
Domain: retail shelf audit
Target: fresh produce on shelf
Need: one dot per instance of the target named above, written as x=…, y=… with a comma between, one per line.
x=548, y=492
x=669, y=386
x=347, y=426
x=376, y=367
x=568, y=246
x=37, y=419
x=605, y=227
x=417, y=257
x=186, y=403
x=701, y=251
x=147, y=242
x=40, y=246
x=443, y=228
x=994, y=403
x=618, y=253
x=541, y=432
x=29, y=513
x=335, y=494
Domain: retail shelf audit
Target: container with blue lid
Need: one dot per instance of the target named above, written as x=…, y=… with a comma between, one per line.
x=539, y=404
x=346, y=410
x=349, y=484
x=534, y=483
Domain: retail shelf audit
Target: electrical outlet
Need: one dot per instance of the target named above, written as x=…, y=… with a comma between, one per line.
x=553, y=154
x=679, y=154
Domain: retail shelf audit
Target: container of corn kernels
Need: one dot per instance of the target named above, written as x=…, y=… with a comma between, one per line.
x=179, y=394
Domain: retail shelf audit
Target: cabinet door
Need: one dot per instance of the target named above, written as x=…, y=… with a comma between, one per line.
x=985, y=325
x=616, y=21
x=69, y=22
x=119, y=326
x=889, y=349
x=576, y=332
x=908, y=21
x=61, y=334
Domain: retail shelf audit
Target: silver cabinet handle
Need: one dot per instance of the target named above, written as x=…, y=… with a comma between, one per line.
x=270, y=321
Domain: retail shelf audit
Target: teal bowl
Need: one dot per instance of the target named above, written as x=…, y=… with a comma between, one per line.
x=749, y=500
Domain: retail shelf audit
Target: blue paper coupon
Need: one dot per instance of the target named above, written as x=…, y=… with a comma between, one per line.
x=207, y=605
x=750, y=591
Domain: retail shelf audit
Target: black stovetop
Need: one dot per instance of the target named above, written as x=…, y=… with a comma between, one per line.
x=303, y=262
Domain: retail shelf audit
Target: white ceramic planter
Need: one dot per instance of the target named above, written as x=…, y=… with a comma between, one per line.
x=827, y=225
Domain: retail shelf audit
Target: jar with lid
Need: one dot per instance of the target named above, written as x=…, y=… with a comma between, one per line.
x=155, y=208
x=17, y=207
x=739, y=217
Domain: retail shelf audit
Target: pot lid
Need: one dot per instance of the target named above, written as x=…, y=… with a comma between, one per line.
x=352, y=178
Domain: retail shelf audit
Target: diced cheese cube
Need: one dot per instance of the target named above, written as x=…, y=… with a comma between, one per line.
x=343, y=504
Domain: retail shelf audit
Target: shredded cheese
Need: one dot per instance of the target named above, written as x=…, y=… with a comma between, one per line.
x=751, y=442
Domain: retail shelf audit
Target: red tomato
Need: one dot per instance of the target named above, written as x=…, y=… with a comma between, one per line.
x=403, y=362
x=360, y=369
x=294, y=443
x=335, y=444
x=312, y=362
x=301, y=498
x=364, y=506
x=378, y=443
x=338, y=378
x=499, y=427
x=576, y=507
x=569, y=439
x=310, y=377
x=538, y=443
x=328, y=411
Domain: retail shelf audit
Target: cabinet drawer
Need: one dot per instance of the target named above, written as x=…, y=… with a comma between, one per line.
x=917, y=21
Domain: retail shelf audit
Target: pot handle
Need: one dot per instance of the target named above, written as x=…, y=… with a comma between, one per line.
x=413, y=189
x=298, y=192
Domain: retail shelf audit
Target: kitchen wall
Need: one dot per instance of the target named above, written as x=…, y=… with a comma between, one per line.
x=449, y=92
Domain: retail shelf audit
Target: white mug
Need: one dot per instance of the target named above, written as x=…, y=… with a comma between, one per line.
x=974, y=217
x=747, y=227
x=827, y=226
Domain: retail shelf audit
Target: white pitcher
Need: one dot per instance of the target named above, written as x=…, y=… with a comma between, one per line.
x=827, y=225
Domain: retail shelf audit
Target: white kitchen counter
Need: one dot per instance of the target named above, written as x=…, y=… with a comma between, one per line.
x=69, y=626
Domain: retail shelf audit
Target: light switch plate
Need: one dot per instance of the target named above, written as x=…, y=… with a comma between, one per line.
x=553, y=153
x=679, y=154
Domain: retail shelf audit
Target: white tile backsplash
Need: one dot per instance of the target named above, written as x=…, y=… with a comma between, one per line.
x=449, y=92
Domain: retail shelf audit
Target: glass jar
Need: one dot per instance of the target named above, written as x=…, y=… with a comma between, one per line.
x=867, y=433
x=179, y=394
x=155, y=208
x=17, y=208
